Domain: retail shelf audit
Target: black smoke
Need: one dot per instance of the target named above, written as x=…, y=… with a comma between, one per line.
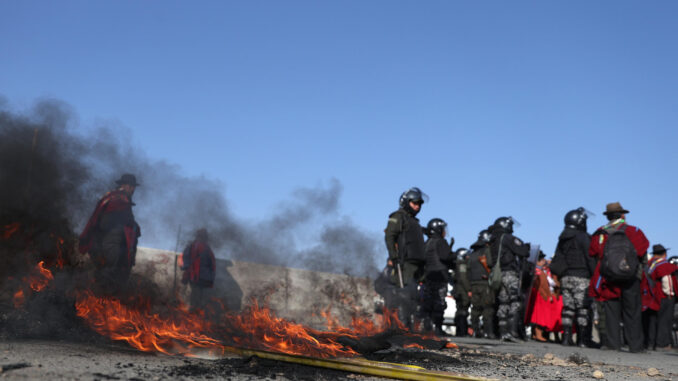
x=53, y=172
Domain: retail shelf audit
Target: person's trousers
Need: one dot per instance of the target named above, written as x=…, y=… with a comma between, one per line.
x=627, y=308
x=665, y=322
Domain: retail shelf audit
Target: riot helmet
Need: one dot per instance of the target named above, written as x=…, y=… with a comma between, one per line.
x=436, y=227
x=414, y=195
x=484, y=236
x=462, y=253
x=505, y=223
x=576, y=218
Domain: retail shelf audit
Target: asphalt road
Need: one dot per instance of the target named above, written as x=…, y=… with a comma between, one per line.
x=64, y=360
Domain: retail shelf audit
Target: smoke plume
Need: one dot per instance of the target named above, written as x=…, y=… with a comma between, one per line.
x=54, y=172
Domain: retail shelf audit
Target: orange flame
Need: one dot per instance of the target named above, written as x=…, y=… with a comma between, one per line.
x=19, y=299
x=178, y=331
x=413, y=345
x=42, y=278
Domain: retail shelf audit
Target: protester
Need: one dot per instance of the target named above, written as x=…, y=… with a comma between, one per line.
x=619, y=248
x=111, y=235
x=545, y=304
x=663, y=285
x=199, y=267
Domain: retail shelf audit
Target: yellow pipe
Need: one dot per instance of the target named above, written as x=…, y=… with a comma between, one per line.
x=358, y=365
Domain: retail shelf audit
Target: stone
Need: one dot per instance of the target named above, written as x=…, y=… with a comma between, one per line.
x=549, y=356
x=652, y=372
x=598, y=374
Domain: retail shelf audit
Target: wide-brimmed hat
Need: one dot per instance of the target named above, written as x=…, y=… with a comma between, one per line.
x=614, y=207
x=658, y=249
x=128, y=179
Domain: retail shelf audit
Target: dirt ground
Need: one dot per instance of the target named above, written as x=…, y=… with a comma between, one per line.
x=103, y=360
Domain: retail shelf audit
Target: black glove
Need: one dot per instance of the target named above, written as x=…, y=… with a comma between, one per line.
x=451, y=242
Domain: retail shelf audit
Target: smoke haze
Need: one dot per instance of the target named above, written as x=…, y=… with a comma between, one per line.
x=53, y=173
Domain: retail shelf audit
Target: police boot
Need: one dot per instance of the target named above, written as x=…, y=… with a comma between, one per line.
x=515, y=332
x=567, y=336
x=580, y=339
x=504, y=334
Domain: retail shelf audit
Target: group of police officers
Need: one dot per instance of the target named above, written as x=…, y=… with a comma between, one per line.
x=412, y=261
x=489, y=276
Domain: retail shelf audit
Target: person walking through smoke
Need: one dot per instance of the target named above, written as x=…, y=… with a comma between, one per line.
x=406, y=252
x=111, y=236
x=199, y=267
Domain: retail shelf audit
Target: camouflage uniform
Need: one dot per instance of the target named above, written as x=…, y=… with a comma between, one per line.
x=509, y=302
x=509, y=298
x=574, y=290
x=461, y=298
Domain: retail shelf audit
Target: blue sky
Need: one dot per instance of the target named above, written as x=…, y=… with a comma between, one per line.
x=522, y=108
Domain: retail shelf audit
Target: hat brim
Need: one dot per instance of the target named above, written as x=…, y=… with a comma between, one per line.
x=623, y=211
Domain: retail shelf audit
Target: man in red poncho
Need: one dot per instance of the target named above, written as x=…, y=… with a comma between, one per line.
x=199, y=267
x=662, y=285
x=621, y=299
x=111, y=236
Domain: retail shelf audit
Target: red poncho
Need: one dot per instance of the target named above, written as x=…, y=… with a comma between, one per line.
x=600, y=288
x=192, y=263
x=113, y=201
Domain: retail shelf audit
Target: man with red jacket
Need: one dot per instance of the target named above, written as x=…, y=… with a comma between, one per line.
x=199, y=267
x=662, y=284
x=111, y=236
x=621, y=299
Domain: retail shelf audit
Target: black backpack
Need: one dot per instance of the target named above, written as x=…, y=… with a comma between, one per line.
x=620, y=259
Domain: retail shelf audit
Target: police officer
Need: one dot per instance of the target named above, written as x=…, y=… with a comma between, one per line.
x=462, y=292
x=575, y=274
x=482, y=297
x=406, y=253
x=439, y=259
x=511, y=249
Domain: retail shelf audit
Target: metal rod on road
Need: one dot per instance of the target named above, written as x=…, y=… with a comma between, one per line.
x=357, y=365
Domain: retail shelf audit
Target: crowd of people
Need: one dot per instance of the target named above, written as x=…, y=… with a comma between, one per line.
x=607, y=279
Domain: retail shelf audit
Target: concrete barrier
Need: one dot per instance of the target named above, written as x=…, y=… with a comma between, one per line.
x=295, y=294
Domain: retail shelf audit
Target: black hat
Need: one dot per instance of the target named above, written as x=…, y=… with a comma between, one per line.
x=541, y=255
x=658, y=249
x=128, y=179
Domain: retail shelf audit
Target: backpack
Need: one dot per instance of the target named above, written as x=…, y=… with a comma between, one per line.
x=620, y=259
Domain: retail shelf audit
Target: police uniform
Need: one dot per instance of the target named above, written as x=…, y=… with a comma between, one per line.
x=508, y=298
x=405, y=244
x=462, y=287
x=482, y=297
x=439, y=259
x=573, y=245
